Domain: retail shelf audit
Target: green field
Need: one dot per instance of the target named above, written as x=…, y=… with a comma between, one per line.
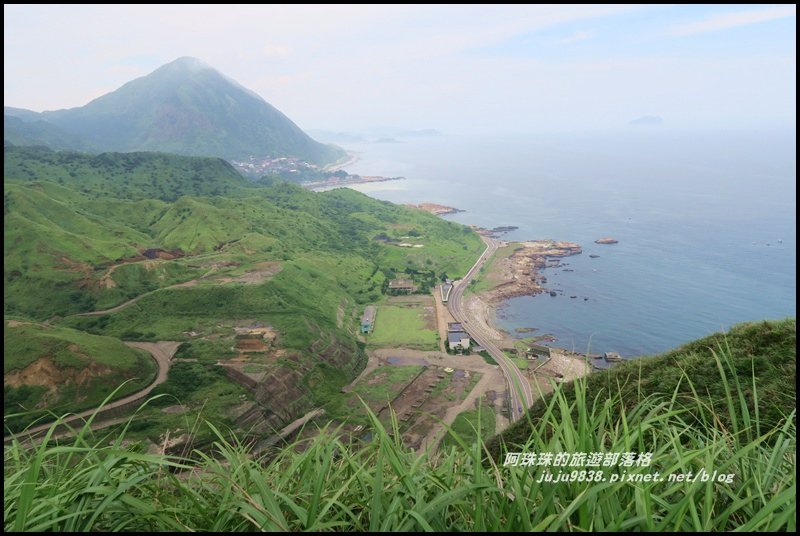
x=26, y=342
x=520, y=362
x=487, y=277
x=70, y=218
x=402, y=326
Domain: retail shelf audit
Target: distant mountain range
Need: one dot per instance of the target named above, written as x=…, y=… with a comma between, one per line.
x=184, y=107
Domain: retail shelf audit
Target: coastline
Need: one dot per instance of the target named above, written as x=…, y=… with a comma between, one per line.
x=434, y=208
x=518, y=274
x=348, y=160
x=328, y=184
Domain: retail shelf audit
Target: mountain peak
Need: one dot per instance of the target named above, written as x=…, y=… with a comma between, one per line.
x=188, y=63
x=188, y=60
x=188, y=107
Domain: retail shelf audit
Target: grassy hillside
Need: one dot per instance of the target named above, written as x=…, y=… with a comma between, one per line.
x=330, y=484
x=763, y=353
x=62, y=237
x=34, y=131
x=129, y=176
x=64, y=370
x=181, y=248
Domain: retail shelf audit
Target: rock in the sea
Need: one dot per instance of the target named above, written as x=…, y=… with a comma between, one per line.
x=593, y=256
x=606, y=240
x=553, y=293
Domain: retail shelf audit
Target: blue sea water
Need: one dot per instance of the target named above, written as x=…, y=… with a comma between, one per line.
x=706, y=223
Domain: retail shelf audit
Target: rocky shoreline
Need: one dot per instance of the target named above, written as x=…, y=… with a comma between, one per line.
x=435, y=209
x=519, y=274
x=521, y=271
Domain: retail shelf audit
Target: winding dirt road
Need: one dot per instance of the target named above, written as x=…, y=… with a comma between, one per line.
x=162, y=353
x=123, y=305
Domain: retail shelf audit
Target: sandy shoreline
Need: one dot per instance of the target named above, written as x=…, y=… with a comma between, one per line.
x=350, y=159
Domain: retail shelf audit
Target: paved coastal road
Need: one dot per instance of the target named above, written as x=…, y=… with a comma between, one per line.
x=519, y=387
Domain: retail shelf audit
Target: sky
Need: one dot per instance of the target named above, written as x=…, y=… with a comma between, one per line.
x=454, y=68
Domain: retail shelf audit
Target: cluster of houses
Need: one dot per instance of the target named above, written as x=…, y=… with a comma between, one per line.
x=258, y=167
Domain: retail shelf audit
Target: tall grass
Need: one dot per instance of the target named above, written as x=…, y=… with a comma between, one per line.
x=326, y=484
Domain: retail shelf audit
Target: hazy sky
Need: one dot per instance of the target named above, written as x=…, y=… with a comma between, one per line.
x=493, y=68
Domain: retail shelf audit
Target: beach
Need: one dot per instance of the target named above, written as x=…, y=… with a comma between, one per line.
x=348, y=160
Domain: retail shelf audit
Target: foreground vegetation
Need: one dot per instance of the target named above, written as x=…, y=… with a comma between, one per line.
x=98, y=483
x=764, y=353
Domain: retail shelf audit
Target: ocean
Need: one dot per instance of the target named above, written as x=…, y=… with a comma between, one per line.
x=706, y=223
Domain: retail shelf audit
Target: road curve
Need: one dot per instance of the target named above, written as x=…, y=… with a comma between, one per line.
x=161, y=351
x=123, y=305
x=518, y=385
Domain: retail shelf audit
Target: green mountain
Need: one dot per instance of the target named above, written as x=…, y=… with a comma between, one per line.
x=185, y=249
x=36, y=131
x=184, y=107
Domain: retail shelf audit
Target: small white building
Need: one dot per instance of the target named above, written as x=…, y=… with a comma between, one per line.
x=458, y=340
